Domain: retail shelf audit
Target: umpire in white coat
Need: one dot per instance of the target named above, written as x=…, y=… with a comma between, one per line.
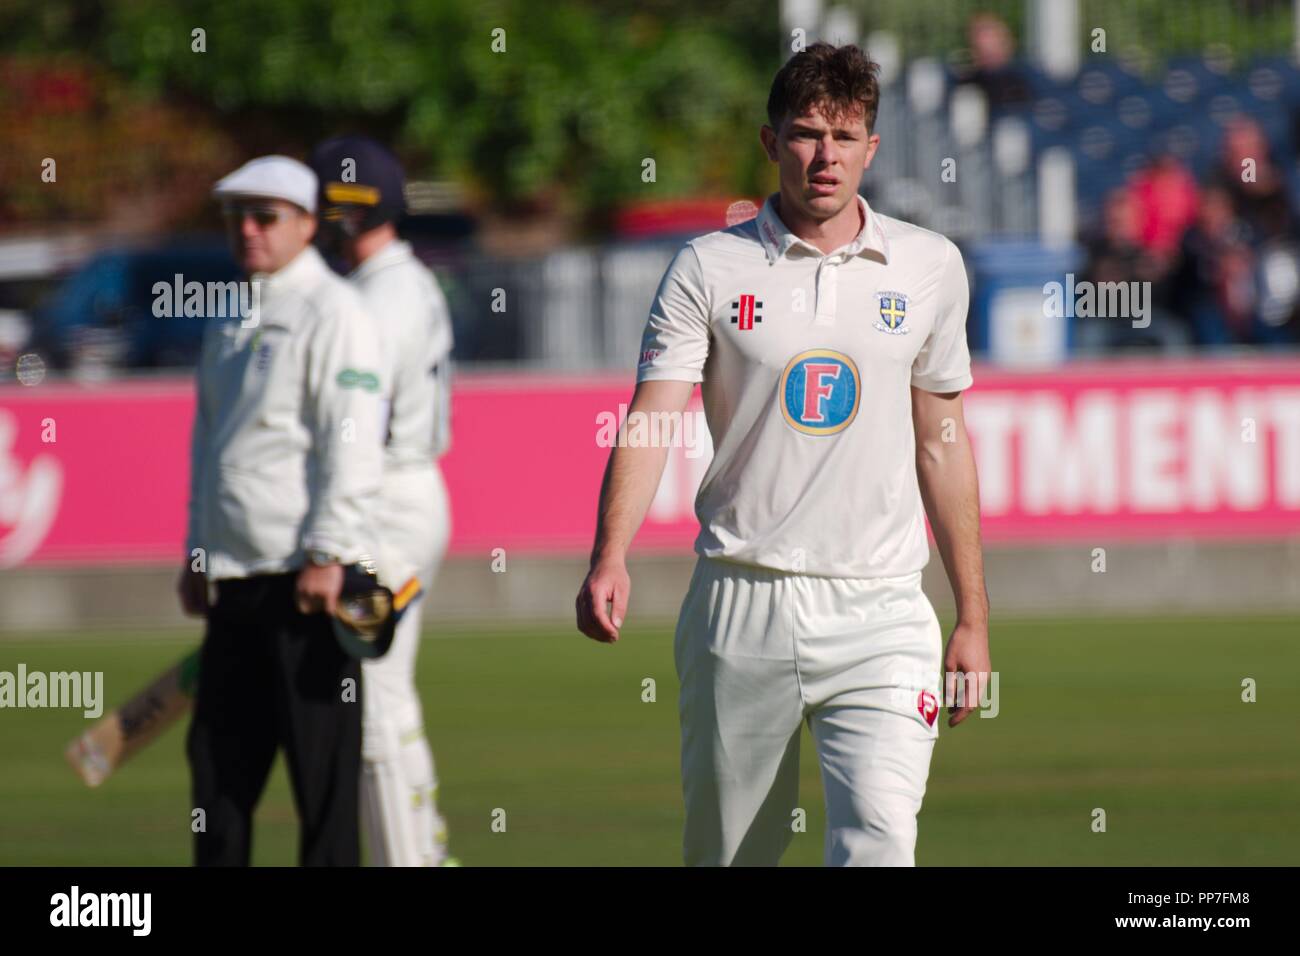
x=361, y=198
x=285, y=474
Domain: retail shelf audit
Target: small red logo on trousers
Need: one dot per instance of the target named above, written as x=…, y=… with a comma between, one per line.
x=928, y=706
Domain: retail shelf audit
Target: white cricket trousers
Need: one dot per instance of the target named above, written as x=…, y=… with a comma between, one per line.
x=399, y=781
x=758, y=652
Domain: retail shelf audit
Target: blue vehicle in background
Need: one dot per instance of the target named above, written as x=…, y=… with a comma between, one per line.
x=103, y=313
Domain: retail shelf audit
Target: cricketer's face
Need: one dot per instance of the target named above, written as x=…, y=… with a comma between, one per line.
x=266, y=234
x=820, y=162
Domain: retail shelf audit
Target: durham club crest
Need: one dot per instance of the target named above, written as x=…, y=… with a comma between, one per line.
x=893, y=312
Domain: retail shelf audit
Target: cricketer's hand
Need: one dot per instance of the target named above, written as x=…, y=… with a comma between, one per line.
x=967, y=657
x=607, y=583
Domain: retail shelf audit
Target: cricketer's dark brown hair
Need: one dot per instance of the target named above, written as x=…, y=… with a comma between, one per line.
x=839, y=80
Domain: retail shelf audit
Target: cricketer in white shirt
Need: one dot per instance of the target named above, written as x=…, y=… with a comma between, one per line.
x=806, y=602
x=829, y=342
x=805, y=362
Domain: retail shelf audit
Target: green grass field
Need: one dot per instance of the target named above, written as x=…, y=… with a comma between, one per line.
x=1142, y=717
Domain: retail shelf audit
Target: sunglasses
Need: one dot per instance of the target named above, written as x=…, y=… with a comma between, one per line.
x=261, y=214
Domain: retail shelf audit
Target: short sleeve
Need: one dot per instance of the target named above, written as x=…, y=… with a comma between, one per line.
x=943, y=364
x=675, y=344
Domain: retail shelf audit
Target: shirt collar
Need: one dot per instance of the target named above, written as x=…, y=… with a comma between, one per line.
x=777, y=238
x=398, y=250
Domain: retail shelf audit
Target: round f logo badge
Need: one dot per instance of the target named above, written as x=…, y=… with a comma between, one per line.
x=819, y=392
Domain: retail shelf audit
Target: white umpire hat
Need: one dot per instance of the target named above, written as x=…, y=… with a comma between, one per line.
x=274, y=177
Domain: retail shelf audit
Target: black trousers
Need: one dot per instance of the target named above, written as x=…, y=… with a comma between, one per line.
x=272, y=677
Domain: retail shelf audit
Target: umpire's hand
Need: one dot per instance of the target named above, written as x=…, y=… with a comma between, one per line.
x=318, y=588
x=192, y=586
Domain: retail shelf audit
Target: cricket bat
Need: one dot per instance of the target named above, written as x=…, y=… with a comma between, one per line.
x=130, y=728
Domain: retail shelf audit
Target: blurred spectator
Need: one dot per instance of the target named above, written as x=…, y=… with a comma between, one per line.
x=1165, y=196
x=1118, y=254
x=1238, y=281
x=992, y=69
x=1255, y=184
x=1215, y=282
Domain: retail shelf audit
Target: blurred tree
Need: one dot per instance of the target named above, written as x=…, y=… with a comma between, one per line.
x=560, y=113
x=80, y=148
x=524, y=104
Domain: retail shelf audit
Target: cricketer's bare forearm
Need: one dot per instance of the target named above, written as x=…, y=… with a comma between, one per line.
x=633, y=472
x=945, y=470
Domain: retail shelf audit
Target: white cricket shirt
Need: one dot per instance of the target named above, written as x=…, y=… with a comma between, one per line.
x=415, y=340
x=806, y=361
x=285, y=454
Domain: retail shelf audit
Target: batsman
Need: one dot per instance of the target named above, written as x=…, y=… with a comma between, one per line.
x=361, y=198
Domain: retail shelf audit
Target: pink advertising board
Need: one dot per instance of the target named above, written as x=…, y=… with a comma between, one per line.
x=95, y=474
